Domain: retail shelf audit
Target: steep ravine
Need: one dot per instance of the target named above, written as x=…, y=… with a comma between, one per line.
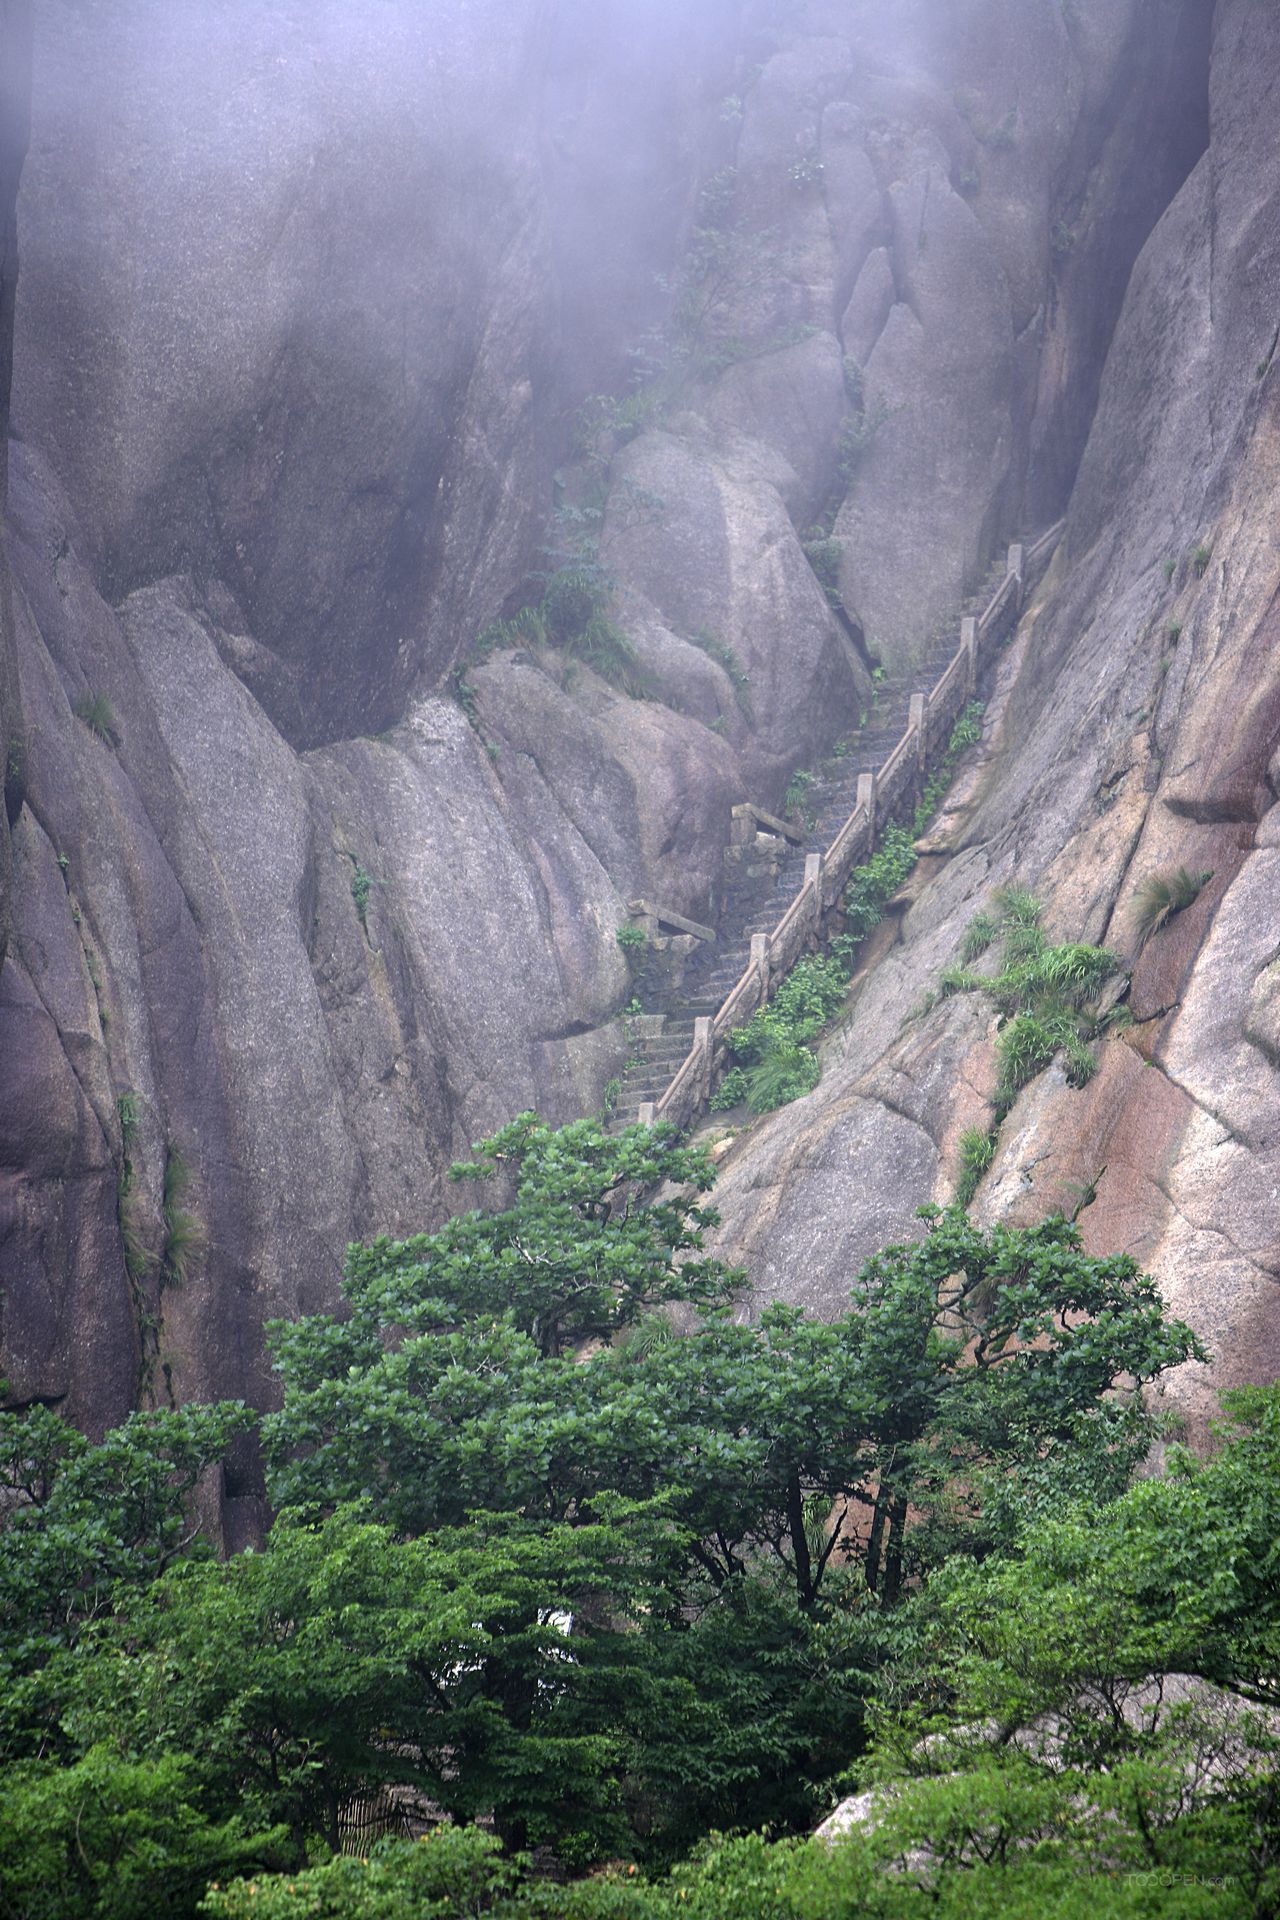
x=1137, y=731
x=284, y=443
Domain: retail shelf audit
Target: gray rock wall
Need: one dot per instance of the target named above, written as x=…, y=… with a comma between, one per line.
x=1135, y=730
x=309, y=299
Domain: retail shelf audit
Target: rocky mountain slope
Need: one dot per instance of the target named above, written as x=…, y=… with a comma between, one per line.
x=308, y=303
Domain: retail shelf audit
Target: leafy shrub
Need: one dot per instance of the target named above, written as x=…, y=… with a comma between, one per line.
x=776, y=1063
x=632, y=940
x=109, y=1839
x=1161, y=895
x=873, y=884
x=96, y=712
x=573, y=616
x=1043, y=994
x=450, y=1873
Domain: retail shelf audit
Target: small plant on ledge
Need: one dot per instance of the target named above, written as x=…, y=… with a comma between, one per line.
x=632, y=940
x=1161, y=895
x=1046, y=996
x=95, y=711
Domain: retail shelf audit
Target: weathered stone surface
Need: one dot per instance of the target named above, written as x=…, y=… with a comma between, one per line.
x=306, y=447
x=725, y=557
x=1137, y=731
x=927, y=481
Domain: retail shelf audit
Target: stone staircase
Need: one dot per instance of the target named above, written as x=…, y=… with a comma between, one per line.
x=765, y=877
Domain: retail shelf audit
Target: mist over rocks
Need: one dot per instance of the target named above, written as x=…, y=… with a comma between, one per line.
x=310, y=297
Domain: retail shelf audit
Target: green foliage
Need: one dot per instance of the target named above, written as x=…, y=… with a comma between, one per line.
x=1044, y=994
x=465, y=694
x=775, y=1473
x=824, y=555
x=576, y=1255
x=724, y=656
x=1200, y=560
x=874, y=883
x=109, y=1839
x=83, y=1523
x=1168, y=567
x=857, y=432
x=450, y=1873
x=977, y=1151
x=796, y=798
x=982, y=930
x=966, y=733
x=1161, y=895
x=633, y=940
x=361, y=881
x=183, y=1237
x=776, y=1063
x=604, y=1599
x=572, y=615
x=97, y=713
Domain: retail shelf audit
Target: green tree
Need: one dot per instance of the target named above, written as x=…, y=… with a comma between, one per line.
x=82, y=1522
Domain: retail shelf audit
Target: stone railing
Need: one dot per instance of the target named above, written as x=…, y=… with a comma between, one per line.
x=882, y=798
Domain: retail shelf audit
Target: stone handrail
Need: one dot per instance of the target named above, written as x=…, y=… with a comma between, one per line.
x=882, y=798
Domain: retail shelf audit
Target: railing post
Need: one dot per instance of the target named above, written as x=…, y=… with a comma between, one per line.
x=813, y=887
x=760, y=963
x=647, y=1116
x=1014, y=567
x=866, y=798
x=917, y=720
x=969, y=646
x=702, y=1046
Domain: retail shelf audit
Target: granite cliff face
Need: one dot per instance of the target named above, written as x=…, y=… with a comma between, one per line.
x=308, y=303
x=1135, y=730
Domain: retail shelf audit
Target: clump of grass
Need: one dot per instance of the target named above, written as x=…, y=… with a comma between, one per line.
x=1169, y=567
x=979, y=934
x=1161, y=895
x=1045, y=994
x=1200, y=560
x=95, y=711
x=977, y=1151
x=183, y=1239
